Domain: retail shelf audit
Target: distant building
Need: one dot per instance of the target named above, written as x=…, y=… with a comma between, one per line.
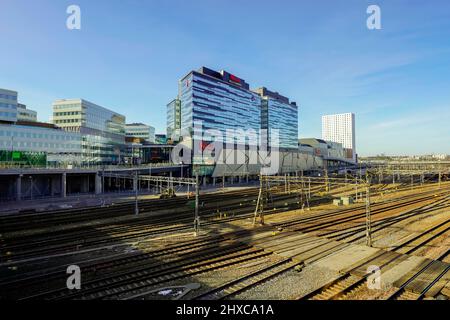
x=174, y=119
x=24, y=114
x=8, y=105
x=341, y=128
x=140, y=130
x=279, y=114
x=321, y=148
x=102, y=130
x=218, y=101
x=26, y=142
x=38, y=144
x=161, y=139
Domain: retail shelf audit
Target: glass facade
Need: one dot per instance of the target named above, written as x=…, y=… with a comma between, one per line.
x=282, y=116
x=59, y=146
x=102, y=130
x=8, y=105
x=174, y=119
x=140, y=130
x=24, y=114
x=217, y=105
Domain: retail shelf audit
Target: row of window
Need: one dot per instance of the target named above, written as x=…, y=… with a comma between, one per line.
x=67, y=121
x=8, y=114
x=30, y=115
x=66, y=113
x=37, y=135
x=67, y=106
x=8, y=106
x=8, y=97
x=28, y=144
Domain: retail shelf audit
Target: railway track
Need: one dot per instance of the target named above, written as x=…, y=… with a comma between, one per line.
x=75, y=239
x=349, y=283
x=433, y=269
x=139, y=275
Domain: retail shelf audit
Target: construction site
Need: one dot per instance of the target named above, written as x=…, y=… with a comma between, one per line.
x=381, y=233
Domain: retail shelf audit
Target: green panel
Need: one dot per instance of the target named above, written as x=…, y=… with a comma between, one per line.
x=17, y=155
x=23, y=158
x=202, y=170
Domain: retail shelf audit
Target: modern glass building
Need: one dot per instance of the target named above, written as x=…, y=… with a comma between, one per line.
x=8, y=105
x=102, y=130
x=279, y=114
x=217, y=101
x=24, y=114
x=140, y=130
x=20, y=144
x=174, y=119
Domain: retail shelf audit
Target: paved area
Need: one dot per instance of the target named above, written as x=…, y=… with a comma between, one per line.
x=91, y=200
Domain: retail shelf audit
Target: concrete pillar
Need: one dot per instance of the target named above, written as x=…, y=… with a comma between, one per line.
x=135, y=183
x=19, y=188
x=98, y=184
x=53, y=185
x=247, y=179
x=214, y=181
x=85, y=184
x=64, y=185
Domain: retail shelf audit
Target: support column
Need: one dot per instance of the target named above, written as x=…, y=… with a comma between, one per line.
x=98, y=184
x=214, y=181
x=19, y=188
x=85, y=184
x=135, y=183
x=64, y=185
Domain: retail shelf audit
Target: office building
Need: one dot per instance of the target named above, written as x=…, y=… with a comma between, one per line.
x=277, y=113
x=217, y=101
x=140, y=130
x=38, y=144
x=24, y=114
x=102, y=131
x=341, y=128
x=322, y=148
x=174, y=120
x=8, y=105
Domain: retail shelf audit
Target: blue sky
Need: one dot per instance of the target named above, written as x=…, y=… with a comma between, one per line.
x=129, y=55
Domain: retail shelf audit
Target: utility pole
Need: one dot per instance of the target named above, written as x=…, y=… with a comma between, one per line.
x=309, y=187
x=368, y=216
x=31, y=187
x=196, y=217
x=259, y=203
x=103, y=181
x=136, y=207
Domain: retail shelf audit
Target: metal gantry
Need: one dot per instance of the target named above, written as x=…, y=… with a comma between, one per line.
x=169, y=182
x=302, y=181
